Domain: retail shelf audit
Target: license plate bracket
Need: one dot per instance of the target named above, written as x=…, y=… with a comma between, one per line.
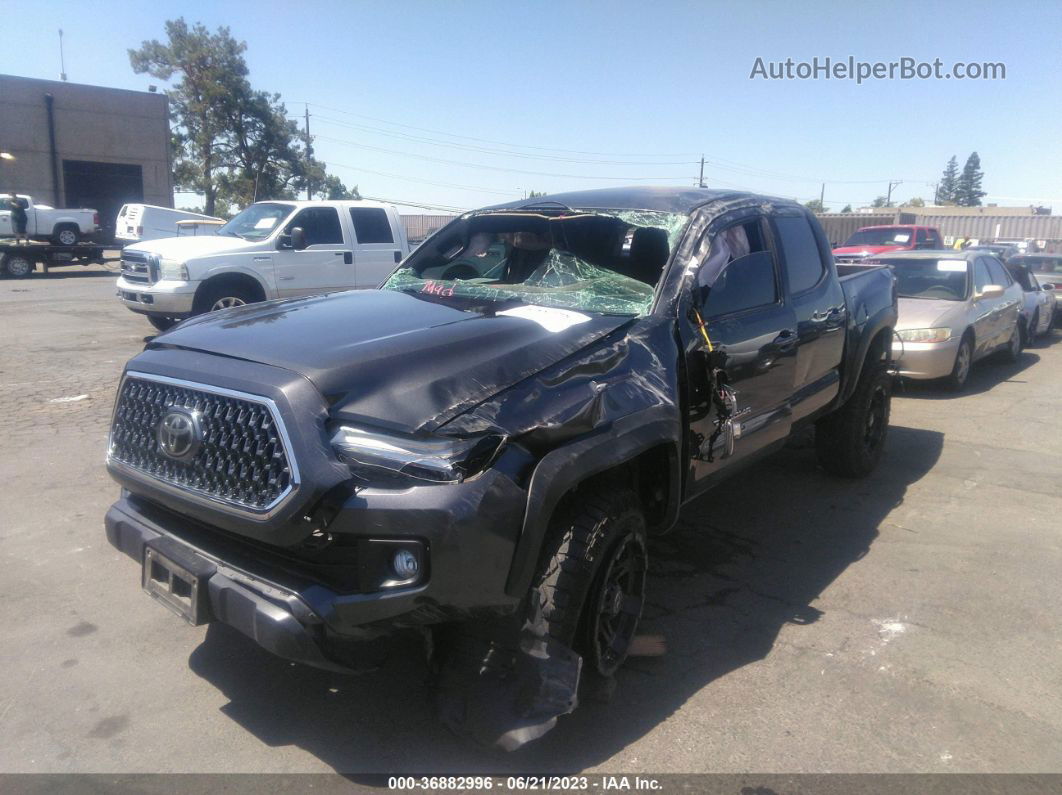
x=177, y=577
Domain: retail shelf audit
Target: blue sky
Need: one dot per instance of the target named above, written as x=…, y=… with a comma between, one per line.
x=522, y=96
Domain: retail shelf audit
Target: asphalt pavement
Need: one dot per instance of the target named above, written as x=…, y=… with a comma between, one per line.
x=910, y=622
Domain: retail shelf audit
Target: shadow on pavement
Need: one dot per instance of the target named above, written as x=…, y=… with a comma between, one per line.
x=69, y=272
x=984, y=375
x=745, y=560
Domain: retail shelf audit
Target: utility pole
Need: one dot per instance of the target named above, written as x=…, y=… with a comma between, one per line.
x=822, y=198
x=309, y=156
x=936, y=194
x=892, y=183
x=62, y=60
x=700, y=179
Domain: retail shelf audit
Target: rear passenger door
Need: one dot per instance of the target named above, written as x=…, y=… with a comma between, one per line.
x=324, y=265
x=376, y=250
x=817, y=302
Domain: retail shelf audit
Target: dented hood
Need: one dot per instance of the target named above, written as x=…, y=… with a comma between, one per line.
x=392, y=359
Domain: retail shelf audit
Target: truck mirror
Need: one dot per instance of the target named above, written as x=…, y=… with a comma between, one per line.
x=298, y=238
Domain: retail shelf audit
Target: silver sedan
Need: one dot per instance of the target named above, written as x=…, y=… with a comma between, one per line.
x=956, y=307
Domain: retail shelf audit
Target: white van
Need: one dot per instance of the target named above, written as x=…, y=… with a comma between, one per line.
x=272, y=249
x=139, y=222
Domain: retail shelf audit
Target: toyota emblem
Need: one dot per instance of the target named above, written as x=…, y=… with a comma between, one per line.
x=178, y=434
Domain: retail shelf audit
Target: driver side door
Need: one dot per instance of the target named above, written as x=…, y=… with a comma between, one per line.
x=327, y=262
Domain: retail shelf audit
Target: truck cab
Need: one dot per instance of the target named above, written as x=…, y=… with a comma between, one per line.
x=272, y=249
x=872, y=240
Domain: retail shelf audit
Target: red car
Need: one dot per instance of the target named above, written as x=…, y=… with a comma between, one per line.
x=871, y=240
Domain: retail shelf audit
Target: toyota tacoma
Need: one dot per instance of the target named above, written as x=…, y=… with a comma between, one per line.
x=479, y=450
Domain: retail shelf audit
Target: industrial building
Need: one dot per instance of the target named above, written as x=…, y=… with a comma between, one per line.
x=72, y=145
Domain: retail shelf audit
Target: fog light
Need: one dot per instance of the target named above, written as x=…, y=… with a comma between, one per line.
x=405, y=564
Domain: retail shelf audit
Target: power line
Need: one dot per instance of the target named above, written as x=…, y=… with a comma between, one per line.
x=423, y=181
x=502, y=143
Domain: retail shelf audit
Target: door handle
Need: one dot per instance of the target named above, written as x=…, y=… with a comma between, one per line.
x=286, y=279
x=786, y=339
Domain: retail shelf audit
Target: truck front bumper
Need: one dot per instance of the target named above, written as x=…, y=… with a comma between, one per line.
x=925, y=360
x=166, y=298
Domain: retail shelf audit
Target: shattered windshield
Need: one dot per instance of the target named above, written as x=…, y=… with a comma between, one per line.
x=596, y=260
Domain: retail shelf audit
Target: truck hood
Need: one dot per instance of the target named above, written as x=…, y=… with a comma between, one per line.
x=865, y=250
x=185, y=248
x=930, y=313
x=395, y=360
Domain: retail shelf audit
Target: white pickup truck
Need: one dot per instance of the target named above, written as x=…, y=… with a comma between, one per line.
x=43, y=222
x=272, y=249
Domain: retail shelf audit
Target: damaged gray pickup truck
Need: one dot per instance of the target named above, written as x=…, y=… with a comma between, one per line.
x=479, y=450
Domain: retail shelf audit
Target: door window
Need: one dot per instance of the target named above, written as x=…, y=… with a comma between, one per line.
x=982, y=278
x=747, y=278
x=999, y=273
x=321, y=225
x=371, y=225
x=803, y=260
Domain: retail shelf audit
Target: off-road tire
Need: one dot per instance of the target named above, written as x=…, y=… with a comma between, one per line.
x=588, y=531
x=162, y=323
x=849, y=442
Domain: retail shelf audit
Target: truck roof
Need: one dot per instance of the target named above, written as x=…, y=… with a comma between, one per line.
x=328, y=202
x=896, y=226
x=661, y=199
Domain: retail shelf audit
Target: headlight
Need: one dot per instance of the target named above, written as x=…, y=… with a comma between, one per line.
x=171, y=269
x=437, y=459
x=925, y=334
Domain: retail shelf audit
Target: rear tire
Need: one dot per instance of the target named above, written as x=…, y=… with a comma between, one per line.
x=65, y=236
x=17, y=266
x=1012, y=353
x=591, y=578
x=162, y=323
x=849, y=442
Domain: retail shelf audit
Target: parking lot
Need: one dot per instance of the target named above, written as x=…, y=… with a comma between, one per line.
x=908, y=622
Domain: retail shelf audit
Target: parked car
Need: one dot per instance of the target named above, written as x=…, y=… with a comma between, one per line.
x=139, y=222
x=1001, y=251
x=956, y=307
x=873, y=240
x=274, y=249
x=459, y=450
x=60, y=227
x=1038, y=310
x=1047, y=270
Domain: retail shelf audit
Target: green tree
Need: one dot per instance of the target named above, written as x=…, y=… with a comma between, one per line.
x=332, y=187
x=212, y=72
x=881, y=201
x=815, y=206
x=949, y=182
x=917, y=201
x=969, y=193
x=846, y=209
x=535, y=194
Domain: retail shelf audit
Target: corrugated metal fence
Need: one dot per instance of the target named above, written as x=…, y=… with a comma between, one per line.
x=840, y=226
x=419, y=227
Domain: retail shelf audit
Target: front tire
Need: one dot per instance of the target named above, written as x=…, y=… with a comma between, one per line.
x=1012, y=353
x=591, y=579
x=960, y=371
x=849, y=442
x=162, y=323
x=223, y=296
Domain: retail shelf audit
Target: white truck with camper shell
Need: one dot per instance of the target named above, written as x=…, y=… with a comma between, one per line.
x=43, y=222
x=138, y=223
x=271, y=249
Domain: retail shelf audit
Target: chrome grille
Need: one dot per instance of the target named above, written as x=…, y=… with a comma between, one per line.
x=137, y=268
x=243, y=459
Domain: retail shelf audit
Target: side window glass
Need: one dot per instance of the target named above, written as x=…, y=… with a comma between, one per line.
x=803, y=261
x=371, y=225
x=739, y=270
x=999, y=273
x=981, y=275
x=321, y=225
